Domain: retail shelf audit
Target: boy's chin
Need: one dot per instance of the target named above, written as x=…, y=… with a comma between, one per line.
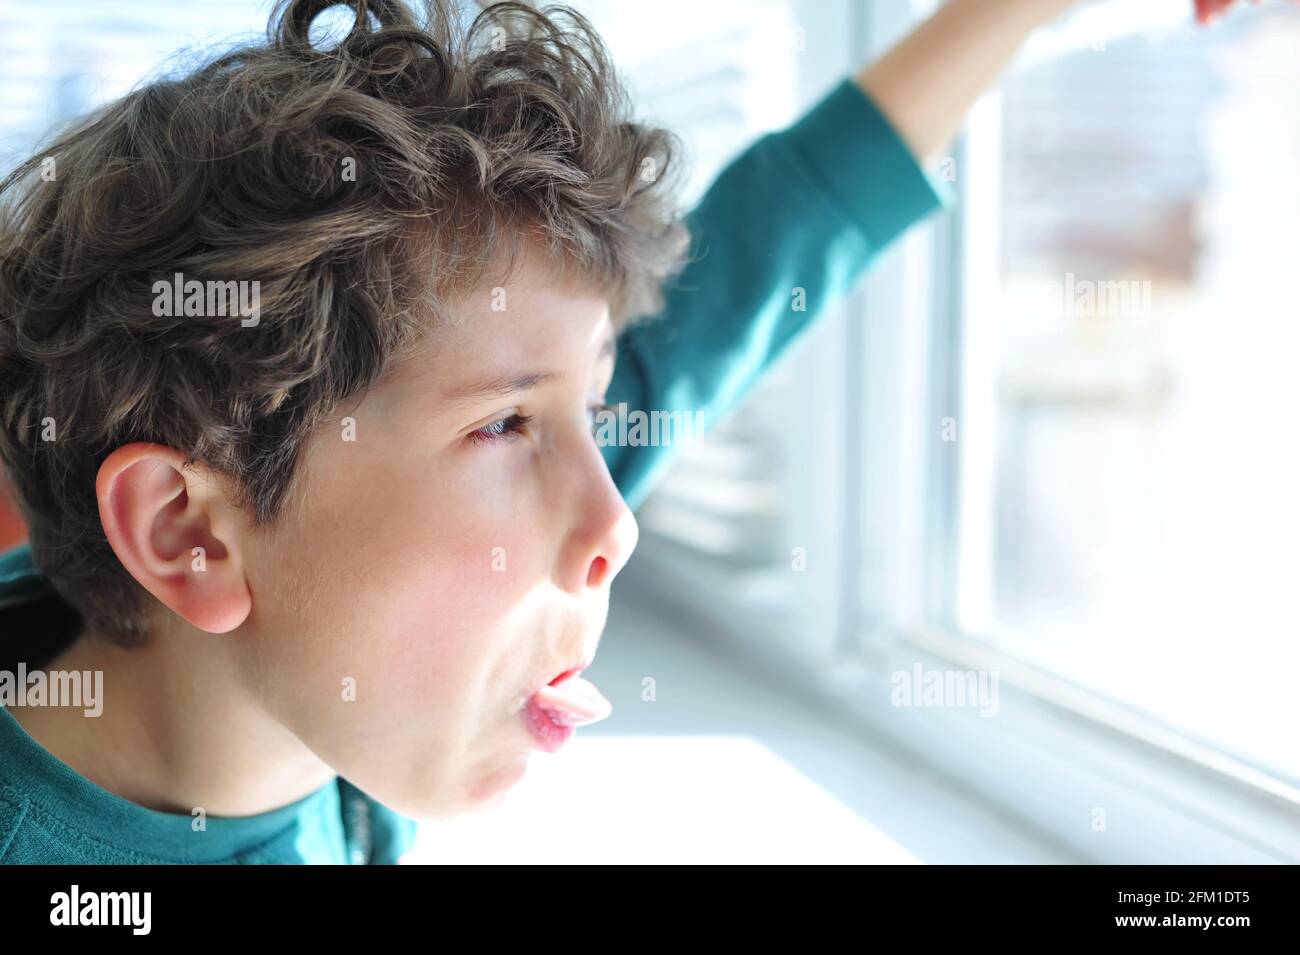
x=491, y=791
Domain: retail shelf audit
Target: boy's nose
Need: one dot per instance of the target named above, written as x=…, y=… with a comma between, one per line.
x=603, y=532
x=616, y=548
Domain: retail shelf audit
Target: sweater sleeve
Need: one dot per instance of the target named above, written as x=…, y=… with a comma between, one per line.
x=784, y=233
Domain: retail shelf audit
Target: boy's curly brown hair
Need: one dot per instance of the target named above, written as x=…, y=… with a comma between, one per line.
x=464, y=142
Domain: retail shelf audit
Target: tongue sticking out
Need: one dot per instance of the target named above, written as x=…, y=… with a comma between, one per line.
x=573, y=702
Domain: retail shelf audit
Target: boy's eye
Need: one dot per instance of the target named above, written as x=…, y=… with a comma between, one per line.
x=512, y=425
x=503, y=429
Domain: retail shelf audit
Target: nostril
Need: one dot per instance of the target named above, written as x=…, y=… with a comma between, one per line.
x=596, y=575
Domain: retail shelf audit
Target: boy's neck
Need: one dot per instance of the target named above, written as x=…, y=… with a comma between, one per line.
x=175, y=732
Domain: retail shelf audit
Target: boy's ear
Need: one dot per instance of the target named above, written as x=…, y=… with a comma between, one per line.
x=171, y=528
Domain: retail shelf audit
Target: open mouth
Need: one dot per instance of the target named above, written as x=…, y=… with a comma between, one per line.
x=557, y=709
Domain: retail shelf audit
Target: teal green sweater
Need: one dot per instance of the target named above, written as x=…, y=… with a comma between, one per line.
x=807, y=207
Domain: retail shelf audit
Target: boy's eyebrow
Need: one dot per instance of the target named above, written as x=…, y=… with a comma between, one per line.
x=499, y=386
x=510, y=383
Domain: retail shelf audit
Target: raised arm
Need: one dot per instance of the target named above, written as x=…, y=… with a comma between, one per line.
x=928, y=82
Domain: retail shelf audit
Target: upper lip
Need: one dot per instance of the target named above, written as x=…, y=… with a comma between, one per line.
x=565, y=674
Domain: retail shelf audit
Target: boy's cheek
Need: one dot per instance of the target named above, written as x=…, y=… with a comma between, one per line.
x=431, y=582
x=458, y=599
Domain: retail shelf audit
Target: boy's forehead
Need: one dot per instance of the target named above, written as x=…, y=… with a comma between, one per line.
x=529, y=316
x=529, y=324
x=536, y=307
x=527, y=320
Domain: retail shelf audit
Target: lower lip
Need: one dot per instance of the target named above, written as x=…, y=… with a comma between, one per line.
x=549, y=734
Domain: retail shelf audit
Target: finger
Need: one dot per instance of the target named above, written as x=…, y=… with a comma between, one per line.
x=1207, y=11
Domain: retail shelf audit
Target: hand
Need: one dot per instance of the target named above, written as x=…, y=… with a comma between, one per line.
x=1207, y=11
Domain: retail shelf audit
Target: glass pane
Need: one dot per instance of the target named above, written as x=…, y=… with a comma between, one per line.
x=1144, y=524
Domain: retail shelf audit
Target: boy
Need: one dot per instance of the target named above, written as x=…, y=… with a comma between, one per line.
x=299, y=361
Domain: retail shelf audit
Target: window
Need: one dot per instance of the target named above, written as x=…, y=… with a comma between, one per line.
x=1048, y=441
x=64, y=59
x=1126, y=502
